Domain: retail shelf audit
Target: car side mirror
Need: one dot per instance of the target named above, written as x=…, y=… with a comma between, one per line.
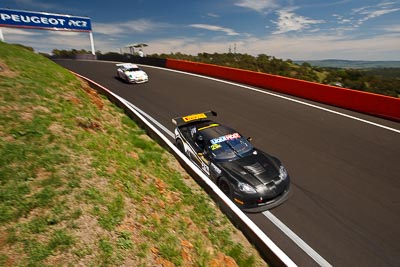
x=249, y=139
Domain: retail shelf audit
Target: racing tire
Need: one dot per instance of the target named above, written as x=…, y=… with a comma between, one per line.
x=179, y=145
x=225, y=187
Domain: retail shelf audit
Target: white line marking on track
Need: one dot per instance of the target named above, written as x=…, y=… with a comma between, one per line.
x=296, y=239
x=156, y=123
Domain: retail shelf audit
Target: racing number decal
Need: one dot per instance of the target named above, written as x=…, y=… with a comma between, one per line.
x=205, y=168
x=204, y=165
x=215, y=146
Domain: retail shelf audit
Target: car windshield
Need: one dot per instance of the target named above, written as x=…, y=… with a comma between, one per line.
x=133, y=69
x=233, y=148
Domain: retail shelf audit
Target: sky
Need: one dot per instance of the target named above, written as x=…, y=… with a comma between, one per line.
x=286, y=29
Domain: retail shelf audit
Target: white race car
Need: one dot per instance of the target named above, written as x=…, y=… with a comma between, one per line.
x=131, y=73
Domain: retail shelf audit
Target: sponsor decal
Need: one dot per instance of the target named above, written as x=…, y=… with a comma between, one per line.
x=194, y=117
x=41, y=20
x=225, y=138
x=215, y=168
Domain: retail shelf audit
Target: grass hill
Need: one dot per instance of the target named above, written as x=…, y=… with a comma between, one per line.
x=82, y=184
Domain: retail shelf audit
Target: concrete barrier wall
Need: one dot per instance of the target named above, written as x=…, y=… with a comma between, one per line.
x=369, y=103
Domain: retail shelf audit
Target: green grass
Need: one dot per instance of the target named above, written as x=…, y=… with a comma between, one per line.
x=82, y=184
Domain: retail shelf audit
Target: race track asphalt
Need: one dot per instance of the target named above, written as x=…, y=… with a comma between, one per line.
x=345, y=194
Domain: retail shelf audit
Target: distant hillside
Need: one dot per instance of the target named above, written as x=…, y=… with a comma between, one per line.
x=354, y=64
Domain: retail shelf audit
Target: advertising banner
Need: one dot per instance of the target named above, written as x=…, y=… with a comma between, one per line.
x=44, y=21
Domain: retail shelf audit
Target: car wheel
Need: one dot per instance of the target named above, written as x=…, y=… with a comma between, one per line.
x=223, y=184
x=179, y=145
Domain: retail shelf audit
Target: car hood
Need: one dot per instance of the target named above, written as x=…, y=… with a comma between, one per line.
x=135, y=73
x=255, y=169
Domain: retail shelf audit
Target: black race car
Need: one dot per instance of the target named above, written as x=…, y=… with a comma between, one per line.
x=254, y=180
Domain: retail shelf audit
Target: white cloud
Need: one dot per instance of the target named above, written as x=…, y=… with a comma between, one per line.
x=46, y=41
x=15, y=31
x=133, y=26
x=371, y=12
x=344, y=21
x=36, y=4
x=258, y=5
x=289, y=21
x=377, y=13
x=228, y=31
x=386, y=4
x=212, y=15
x=311, y=46
x=185, y=45
x=321, y=46
x=392, y=28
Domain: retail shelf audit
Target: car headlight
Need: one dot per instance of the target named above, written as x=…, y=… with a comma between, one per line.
x=246, y=188
x=282, y=173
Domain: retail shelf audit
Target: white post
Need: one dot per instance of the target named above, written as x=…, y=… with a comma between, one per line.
x=1, y=35
x=92, y=43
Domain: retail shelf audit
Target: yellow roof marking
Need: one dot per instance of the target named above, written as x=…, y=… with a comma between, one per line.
x=209, y=126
